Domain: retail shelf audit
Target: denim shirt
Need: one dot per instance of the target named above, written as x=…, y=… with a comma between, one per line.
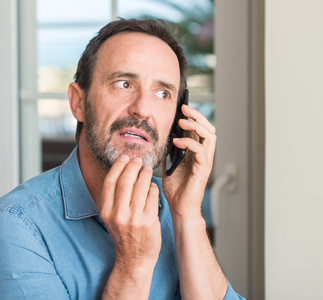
x=54, y=245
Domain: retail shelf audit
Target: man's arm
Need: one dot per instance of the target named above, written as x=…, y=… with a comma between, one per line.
x=129, y=208
x=201, y=276
x=26, y=268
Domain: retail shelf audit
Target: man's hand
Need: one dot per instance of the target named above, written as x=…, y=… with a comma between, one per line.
x=200, y=274
x=184, y=190
x=129, y=208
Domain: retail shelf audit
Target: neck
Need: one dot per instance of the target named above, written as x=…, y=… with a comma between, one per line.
x=93, y=173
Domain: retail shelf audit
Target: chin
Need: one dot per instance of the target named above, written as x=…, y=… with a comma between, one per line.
x=147, y=158
x=151, y=156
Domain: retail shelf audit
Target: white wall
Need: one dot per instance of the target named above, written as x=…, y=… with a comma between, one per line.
x=9, y=165
x=294, y=150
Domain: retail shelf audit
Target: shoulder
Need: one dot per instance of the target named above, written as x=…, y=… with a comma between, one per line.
x=43, y=186
x=22, y=209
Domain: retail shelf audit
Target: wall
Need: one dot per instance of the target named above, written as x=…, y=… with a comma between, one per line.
x=294, y=150
x=232, y=125
x=9, y=161
x=239, y=81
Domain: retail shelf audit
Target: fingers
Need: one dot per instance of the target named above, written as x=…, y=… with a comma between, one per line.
x=198, y=117
x=130, y=212
x=126, y=187
x=207, y=138
x=109, y=184
x=125, y=183
x=205, y=147
x=152, y=202
x=141, y=189
x=198, y=149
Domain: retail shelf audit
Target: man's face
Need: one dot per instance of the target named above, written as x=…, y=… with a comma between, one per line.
x=132, y=101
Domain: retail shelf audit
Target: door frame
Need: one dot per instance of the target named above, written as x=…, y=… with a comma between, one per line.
x=240, y=122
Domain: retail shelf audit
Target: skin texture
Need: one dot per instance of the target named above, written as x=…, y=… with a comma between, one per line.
x=138, y=76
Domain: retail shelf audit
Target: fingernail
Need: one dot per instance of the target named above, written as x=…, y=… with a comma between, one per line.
x=137, y=159
x=124, y=157
x=176, y=139
x=184, y=120
x=146, y=167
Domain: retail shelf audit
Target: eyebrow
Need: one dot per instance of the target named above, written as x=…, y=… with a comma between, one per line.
x=119, y=74
x=168, y=86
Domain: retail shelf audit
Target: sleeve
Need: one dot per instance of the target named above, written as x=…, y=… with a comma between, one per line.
x=231, y=294
x=26, y=269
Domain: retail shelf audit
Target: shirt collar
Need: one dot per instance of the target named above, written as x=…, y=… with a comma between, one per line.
x=78, y=203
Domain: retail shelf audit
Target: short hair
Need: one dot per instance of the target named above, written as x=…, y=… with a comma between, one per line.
x=153, y=27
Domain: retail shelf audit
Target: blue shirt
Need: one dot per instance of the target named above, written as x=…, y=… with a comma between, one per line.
x=54, y=245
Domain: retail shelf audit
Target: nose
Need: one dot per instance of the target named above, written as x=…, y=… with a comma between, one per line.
x=140, y=107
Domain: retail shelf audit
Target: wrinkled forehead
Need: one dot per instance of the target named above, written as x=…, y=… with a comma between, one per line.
x=138, y=53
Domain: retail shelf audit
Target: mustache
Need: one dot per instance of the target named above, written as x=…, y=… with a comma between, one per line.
x=134, y=122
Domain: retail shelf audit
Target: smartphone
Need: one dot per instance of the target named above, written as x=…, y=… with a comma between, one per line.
x=176, y=154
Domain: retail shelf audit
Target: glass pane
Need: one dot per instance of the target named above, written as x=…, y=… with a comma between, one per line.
x=57, y=128
x=194, y=20
x=63, y=30
x=59, y=49
x=55, y=118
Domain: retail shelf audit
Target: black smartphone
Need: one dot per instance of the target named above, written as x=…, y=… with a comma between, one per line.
x=176, y=154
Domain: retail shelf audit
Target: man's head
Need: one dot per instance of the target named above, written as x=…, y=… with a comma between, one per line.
x=145, y=54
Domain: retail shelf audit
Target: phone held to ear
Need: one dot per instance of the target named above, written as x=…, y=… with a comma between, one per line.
x=176, y=154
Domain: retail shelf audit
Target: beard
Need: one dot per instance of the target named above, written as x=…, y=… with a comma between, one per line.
x=105, y=150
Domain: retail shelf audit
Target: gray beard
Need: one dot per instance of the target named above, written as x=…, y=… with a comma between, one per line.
x=107, y=153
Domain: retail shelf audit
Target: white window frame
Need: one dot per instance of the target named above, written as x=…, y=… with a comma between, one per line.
x=9, y=128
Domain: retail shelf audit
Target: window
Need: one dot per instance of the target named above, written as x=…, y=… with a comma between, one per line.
x=53, y=36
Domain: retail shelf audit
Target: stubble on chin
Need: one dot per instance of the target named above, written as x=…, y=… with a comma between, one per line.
x=107, y=152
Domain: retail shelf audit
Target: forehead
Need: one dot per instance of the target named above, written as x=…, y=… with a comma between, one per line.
x=138, y=53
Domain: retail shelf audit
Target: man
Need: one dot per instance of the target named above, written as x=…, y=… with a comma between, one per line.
x=99, y=226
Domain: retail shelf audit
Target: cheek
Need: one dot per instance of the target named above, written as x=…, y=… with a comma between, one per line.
x=109, y=111
x=166, y=121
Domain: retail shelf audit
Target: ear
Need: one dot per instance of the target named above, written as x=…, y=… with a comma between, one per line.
x=76, y=96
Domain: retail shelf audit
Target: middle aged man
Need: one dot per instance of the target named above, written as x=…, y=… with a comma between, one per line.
x=106, y=228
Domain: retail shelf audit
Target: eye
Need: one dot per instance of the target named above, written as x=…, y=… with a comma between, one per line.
x=163, y=94
x=123, y=84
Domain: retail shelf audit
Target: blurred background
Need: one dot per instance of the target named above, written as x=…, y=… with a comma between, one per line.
x=61, y=37
x=254, y=71
x=56, y=40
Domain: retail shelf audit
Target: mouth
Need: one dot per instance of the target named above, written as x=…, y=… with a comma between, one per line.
x=134, y=134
